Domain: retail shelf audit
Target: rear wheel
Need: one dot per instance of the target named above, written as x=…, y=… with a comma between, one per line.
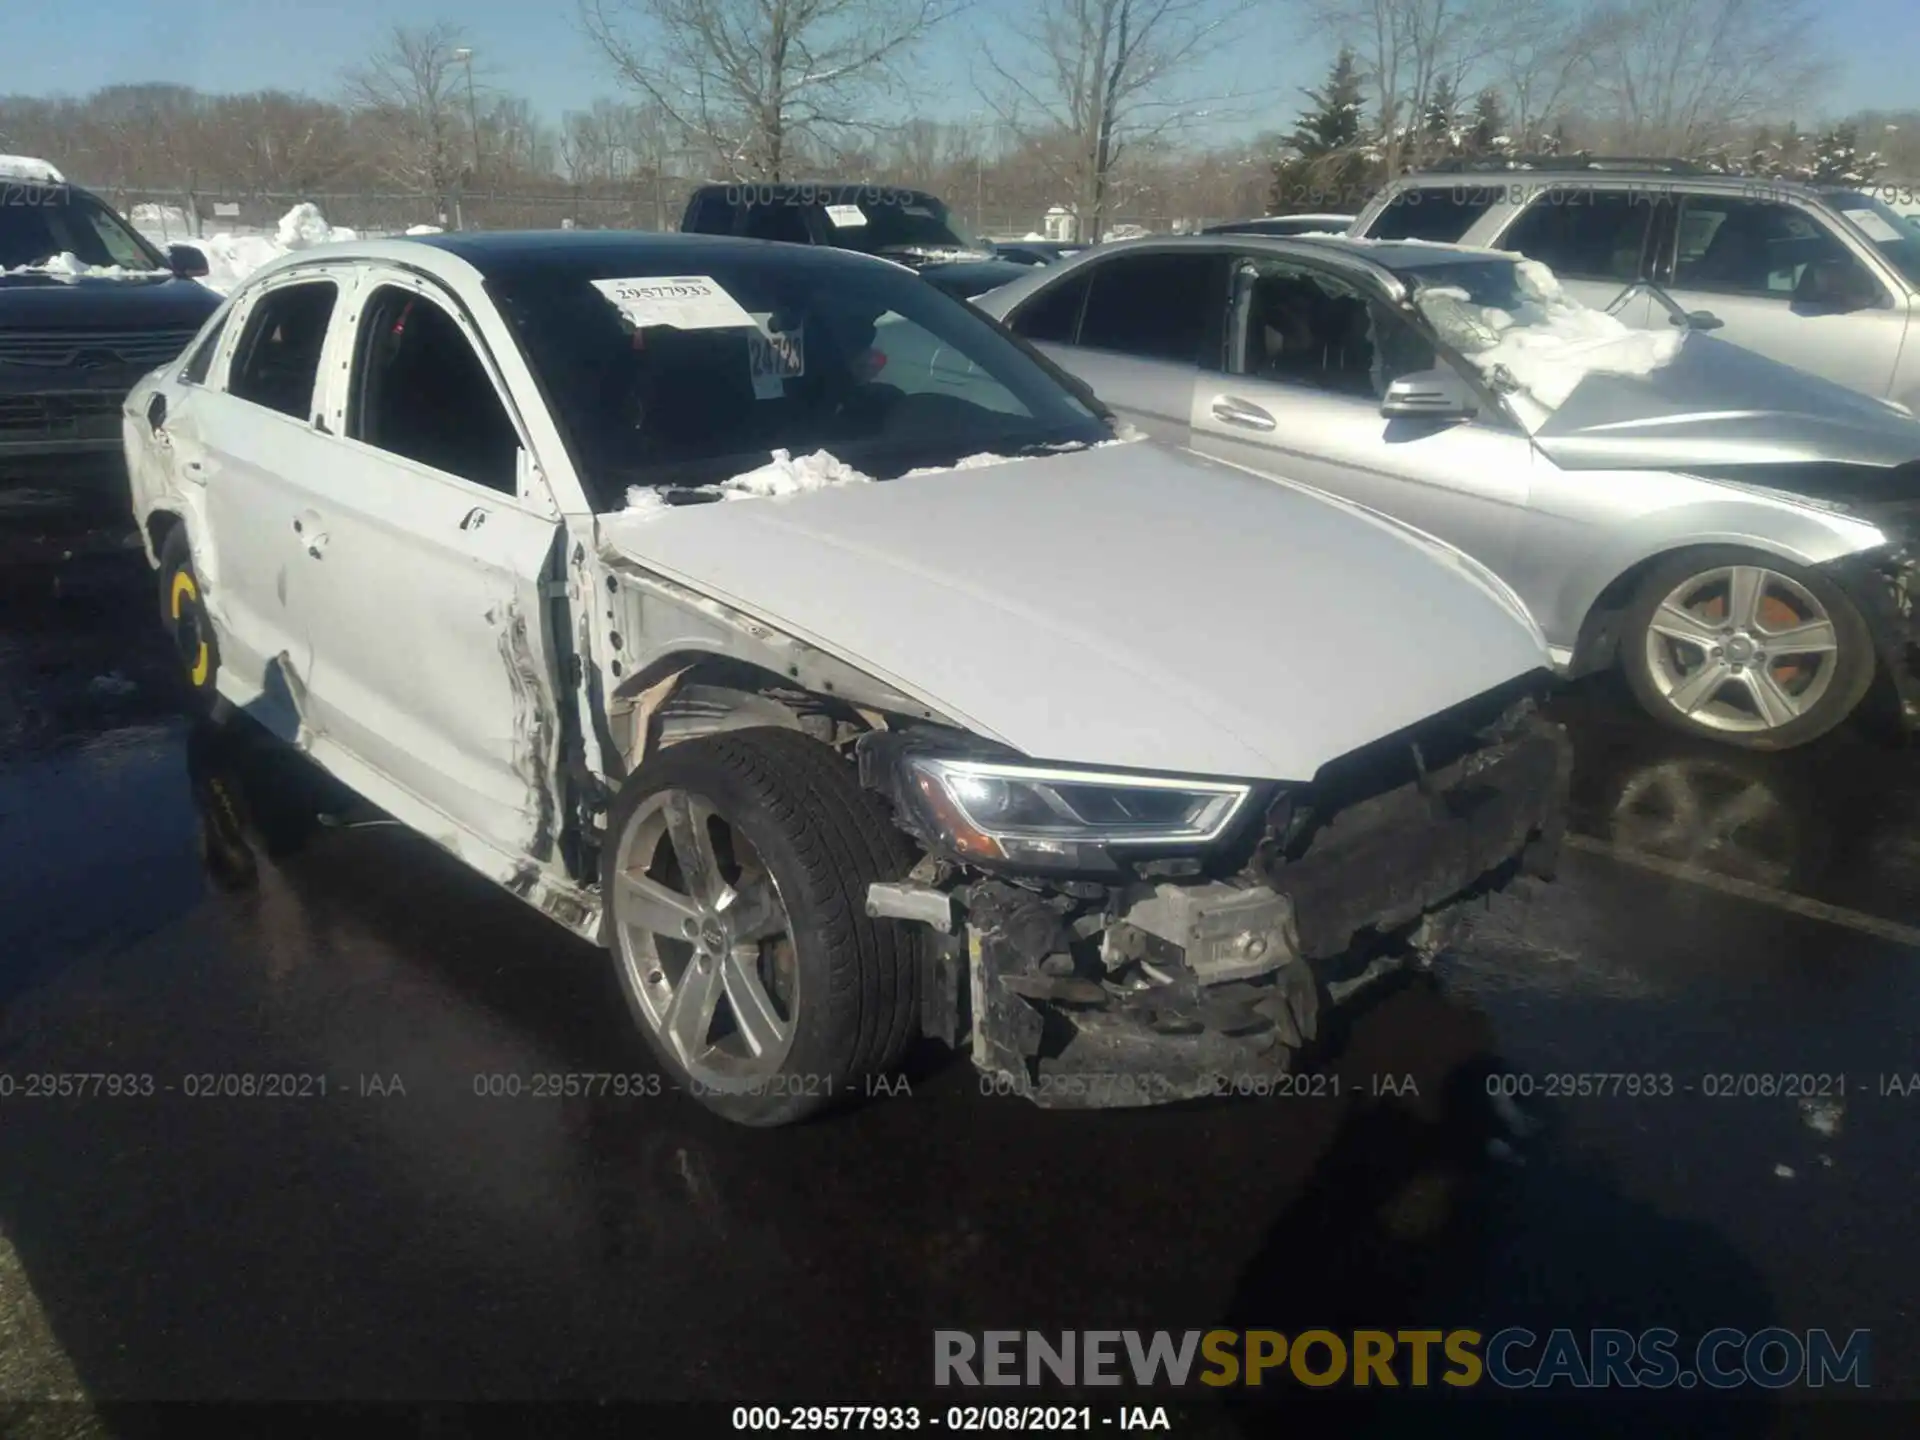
x=183, y=612
x=736, y=890
x=1747, y=649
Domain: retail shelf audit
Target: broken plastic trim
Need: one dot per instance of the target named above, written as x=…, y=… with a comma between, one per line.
x=1884, y=584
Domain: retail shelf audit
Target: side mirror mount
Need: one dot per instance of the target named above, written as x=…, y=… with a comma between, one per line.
x=189, y=262
x=1429, y=395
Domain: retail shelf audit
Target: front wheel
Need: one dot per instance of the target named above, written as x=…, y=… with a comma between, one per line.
x=1746, y=649
x=736, y=889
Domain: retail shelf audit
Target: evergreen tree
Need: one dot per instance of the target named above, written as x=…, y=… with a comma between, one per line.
x=1488, y=135
x=1440, y=123
x=1837, y=159
x=1326, y=166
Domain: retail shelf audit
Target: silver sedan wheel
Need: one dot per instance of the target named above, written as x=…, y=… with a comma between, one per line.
x=1742, y=648
x=706, y=942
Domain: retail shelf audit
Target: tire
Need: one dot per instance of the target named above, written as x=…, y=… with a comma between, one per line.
x=183, y=614
x=1796, y=694
x=849, y=983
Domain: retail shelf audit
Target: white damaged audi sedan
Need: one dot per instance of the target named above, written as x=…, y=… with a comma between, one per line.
x=792, y=630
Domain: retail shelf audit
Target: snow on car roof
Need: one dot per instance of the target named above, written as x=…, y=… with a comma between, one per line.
x=27, y=167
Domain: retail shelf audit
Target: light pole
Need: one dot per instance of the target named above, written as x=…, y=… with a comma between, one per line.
x=465, y=56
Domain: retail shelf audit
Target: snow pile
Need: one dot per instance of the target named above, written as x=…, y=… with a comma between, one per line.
x=232, y=257
x=1551, y=342
x=782, y=477
x=29, y=168
x=425, y=230
x=70, y=267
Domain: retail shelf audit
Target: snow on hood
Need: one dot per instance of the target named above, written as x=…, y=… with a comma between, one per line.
x=1131, y=605
x=1551, y=342
x=782, y=477
x=231, y=258
x=70, y=267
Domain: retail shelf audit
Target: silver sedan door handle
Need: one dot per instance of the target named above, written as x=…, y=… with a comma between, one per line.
x=1243, y=413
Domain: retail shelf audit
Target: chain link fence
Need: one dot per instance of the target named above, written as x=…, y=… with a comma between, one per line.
x=169, y=214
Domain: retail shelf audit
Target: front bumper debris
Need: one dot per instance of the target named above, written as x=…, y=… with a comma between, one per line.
x=1884, y=584
x=1155, y=991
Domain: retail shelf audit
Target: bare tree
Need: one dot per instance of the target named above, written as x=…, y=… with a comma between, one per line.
x=1093, y=81
x=758, y=81
x=1673, y=76
x=412, y=94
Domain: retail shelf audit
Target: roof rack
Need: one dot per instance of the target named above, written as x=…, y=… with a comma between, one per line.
x=1665, y=164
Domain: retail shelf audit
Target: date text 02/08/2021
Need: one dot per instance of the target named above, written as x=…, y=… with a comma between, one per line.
x=958, y=1419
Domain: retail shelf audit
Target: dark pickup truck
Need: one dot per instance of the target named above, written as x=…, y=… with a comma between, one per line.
x=909, y=226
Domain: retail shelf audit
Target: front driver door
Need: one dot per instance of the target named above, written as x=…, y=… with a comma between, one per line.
x=1309, y=358
x=1742, y=259
x=432, y=662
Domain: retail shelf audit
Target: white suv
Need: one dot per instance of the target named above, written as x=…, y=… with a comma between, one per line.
x=1820, y=278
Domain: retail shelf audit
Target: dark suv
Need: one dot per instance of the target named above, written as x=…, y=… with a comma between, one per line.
x=909, y=226
x=86, y=308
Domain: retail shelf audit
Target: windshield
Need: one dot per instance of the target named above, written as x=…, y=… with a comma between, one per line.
x=1894, y=235
x=884, y=221
x=1511, y=319
x=64, y=222
x=869, y=363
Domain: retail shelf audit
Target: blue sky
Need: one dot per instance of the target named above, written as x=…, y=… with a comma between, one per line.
x=536, y=50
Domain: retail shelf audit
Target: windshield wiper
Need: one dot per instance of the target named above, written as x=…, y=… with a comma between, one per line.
x=1678, y=314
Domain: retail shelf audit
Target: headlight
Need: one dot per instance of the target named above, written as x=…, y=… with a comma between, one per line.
x=991, y=810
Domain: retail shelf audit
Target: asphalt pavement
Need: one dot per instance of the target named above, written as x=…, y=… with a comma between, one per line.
x=188, y=906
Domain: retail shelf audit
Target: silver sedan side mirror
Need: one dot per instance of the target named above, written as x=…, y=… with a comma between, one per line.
x=1429, y=395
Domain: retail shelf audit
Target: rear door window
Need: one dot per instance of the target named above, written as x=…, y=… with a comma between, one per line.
x=1053, y=316
x=278, y=357
x=1157, y=307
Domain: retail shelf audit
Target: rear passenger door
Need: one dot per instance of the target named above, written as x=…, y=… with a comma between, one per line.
x=1139, y=327
x=427, y=547
x=1596, y=239
x=256, y=446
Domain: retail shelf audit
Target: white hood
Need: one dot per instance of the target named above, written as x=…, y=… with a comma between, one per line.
x=1125, y=605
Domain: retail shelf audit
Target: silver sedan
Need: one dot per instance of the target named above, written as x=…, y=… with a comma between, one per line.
x=1730, y=531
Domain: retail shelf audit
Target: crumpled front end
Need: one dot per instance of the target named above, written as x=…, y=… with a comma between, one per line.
x=1885, y=584
x=1171, y=979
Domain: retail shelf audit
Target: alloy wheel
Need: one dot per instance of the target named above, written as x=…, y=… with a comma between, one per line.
x=706, y=940
x=1742, y=649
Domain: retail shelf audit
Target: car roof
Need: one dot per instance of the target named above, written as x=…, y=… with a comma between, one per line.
x=749, y=192
x=1534, y=176
x=1380, y=255
x=489, y=253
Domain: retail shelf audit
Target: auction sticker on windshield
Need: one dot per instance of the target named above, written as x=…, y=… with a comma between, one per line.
x=686, y=302
x=844, y=215
x=774, y=356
